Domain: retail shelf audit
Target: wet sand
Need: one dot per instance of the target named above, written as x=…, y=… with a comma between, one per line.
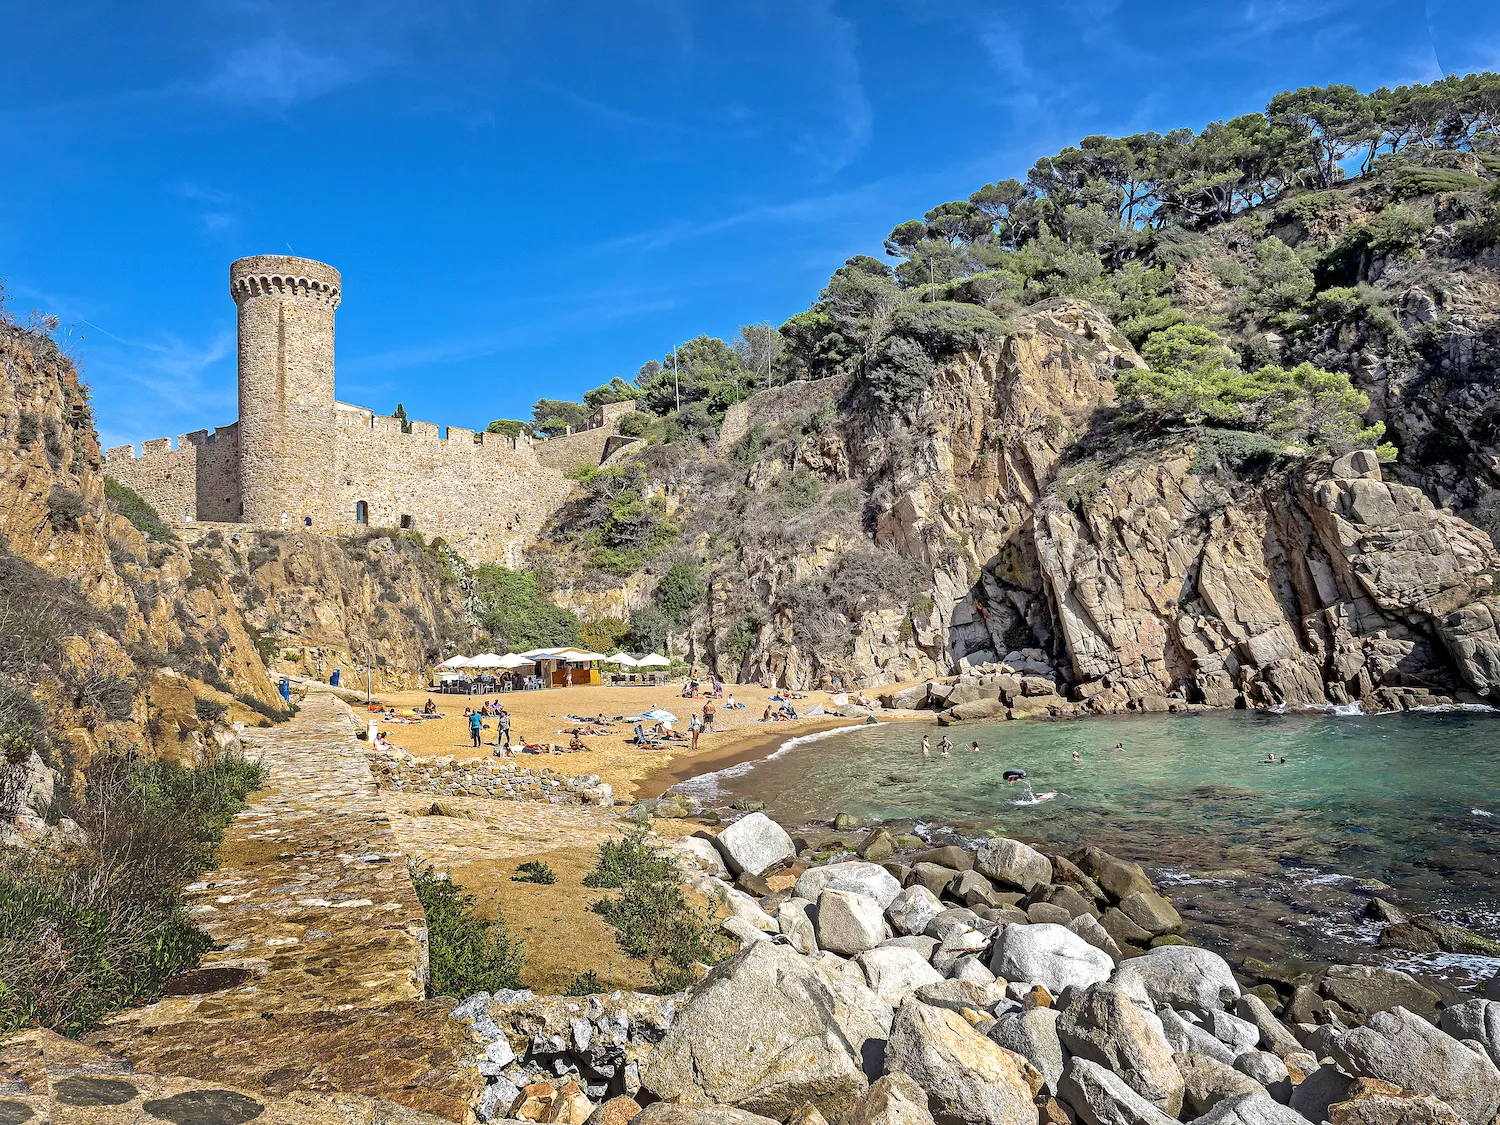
x=749, y=746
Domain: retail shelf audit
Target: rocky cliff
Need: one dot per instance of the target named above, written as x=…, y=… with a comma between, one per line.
x=999, y=516
x=111, y=640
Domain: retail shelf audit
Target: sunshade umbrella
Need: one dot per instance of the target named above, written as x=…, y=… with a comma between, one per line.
x=511, y=660
x=652, y=661
x=620, y=658
x=454, y=662
x=657, y=715
x=487, y=660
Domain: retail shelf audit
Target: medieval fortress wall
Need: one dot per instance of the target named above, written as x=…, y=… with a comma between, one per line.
x=297, y=454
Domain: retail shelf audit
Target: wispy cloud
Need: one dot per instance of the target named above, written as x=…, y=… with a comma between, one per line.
x=163, y=387
x=853, y=117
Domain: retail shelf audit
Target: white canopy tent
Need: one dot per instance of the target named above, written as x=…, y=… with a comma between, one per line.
x=487, y=660
x=513, y=660
x=652, y=660
x=624, y=659
x=453, y=663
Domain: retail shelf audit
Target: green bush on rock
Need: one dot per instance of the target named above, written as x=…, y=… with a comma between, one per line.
x=466, y=952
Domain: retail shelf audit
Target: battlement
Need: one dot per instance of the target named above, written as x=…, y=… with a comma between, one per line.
x=359, y=423
x=278, y=275
x=166, y=445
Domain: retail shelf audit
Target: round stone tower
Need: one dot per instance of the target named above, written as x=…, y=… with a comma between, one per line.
x=287, y=428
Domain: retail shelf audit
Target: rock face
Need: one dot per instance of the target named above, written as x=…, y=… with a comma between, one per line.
x=1100, y=1097
x=892, y=1100
x=758, y=1035
x=968, y=1079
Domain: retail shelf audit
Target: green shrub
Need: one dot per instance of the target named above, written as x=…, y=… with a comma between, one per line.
x=23, y=723
x=265, y=710
x=1078, y=487
x=680, y=590
x=585, y=984
x=1431, y=181
x=535, y=871
x=102, y=930
x=135, y=508
x=634, y=424
x=204, y=572
x=513, y=610
x=209, y=710
x=1246, y=454
x=65, y=507
x=27, y=428
x=651, y=916
x=466, y=952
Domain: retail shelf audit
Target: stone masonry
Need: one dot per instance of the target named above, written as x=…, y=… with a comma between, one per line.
x=297, y=454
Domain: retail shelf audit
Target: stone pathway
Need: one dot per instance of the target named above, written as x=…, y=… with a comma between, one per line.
x=315, y=987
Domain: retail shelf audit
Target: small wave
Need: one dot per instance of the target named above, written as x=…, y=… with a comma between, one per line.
x=707, y=785
x=1355, y=708
x=1481, y=812
x=1443, y=708
x=1471, y=965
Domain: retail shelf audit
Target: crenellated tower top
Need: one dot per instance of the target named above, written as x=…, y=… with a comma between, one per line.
x=271, y=275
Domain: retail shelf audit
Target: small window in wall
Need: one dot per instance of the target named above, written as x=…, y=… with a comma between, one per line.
x=405, y=523
x=361, y=512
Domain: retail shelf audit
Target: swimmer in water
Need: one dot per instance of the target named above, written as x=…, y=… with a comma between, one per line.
x=926, y=750
x=1014, y=775
x=945, y=745
x=1270, y=758
x=974, y=746
x=1076, y=758
x=1119, y=746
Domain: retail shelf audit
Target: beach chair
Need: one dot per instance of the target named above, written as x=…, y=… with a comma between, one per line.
x=644, y=739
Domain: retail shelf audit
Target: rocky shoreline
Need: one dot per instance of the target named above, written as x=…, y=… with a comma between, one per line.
x=999, y=985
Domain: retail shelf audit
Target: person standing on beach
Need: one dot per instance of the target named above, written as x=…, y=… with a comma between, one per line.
x=476, y=724
x=926, y=750
x=708, y=716
x=504, y=736
x=693, y=728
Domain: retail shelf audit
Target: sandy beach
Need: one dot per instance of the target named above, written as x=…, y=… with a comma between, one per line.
x=488, y=840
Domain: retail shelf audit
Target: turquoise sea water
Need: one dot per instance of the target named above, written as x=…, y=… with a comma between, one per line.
x=1266, y=859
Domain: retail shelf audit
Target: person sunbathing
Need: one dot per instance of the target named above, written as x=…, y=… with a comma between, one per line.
x=575, y=744
x=429, y=708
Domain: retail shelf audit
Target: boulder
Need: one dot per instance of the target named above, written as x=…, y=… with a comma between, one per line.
x=1372, y=988
x=619, y=1110
x=863, y=1017
x=1102, y=1098
x=1183, y=977
x=892, y=1100
x=1269, y=1071
x=1373, y=1102
x=1274, y=1035
x=1188, y=1037
x=848, y=923
x=1478, y=1020
x=1105, y=1026
x=966, y=883
x=912, y=909
x=855, y=876
x=1251, y=1109
x=666, y=1113
x=878, y=845
x=913, y=698
x=700, y=853
x=1152, y=913
x=1088, y=928
x=894, y=974
x=1320, y=1089
x=934, y=876
x=969, y=1080
x=1012, y=863
x=1122, y=929
x=1239, y=1035
x=1032, y=1034
x=1051, y=956
x=971, y=967
x=795, y=924
x=1116, y=877
x=755, y=843
x=1401, y=1047
x=959, y=859
x=743, y=906
x=760, y=1033
x=742, y=931
x=1046, y=912
x=1206, y=1082
x=956, y=995
x=1069, y=898
x=924, y=947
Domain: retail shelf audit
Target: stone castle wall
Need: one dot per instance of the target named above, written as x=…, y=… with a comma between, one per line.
x=298, y=458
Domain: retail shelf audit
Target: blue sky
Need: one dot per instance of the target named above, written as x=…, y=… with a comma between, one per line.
x=528, y=199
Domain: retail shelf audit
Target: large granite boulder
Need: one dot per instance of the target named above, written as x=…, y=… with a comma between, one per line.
x=1183, y=977
x=1049, y=955
x=754, y=843
x=1206, y=1082
x=1403, y=1048
x=1274, y=1035
x=895, y=973
x=1374, y=988
x=1012, y=864
x=1105, y=1026
x=912, y=909
x=1478, y=1020
x=759, y=1033
x=1116, y=877
x=1032, y=1034
x=1100, y=1097
x=969, y=1080
x=1251, y=1109
x=855, y=876
x=668, y=1113
x=849, y=923
x=893, y=1100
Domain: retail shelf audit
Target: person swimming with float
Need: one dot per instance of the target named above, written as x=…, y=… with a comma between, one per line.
x=1014, y=775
